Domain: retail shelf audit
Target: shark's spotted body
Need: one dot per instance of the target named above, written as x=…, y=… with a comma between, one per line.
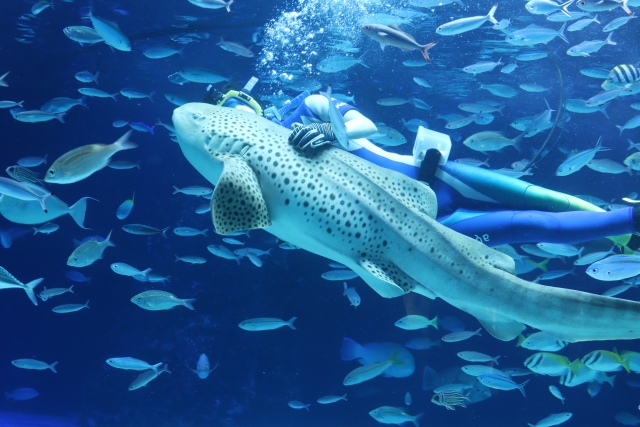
x=378, y=223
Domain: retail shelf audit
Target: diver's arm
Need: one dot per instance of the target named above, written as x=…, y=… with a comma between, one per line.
x=356, y=124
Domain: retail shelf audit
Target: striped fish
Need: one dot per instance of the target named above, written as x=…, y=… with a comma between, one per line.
x=622, y=75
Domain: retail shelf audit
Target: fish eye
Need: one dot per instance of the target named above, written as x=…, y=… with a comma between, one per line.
x=52, y=172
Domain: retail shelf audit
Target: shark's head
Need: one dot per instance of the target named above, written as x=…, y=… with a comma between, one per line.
x=209, y=134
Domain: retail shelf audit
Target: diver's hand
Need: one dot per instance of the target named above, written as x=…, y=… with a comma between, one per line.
x=311, y=136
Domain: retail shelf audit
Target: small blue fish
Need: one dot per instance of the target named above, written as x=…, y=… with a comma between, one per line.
x=501, y=382
x=125, y=208
x=555, y=274
x=141, y=127
x=203, y=368
x=76, y=276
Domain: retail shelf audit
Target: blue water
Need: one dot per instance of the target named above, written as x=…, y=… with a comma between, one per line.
x=259, y=372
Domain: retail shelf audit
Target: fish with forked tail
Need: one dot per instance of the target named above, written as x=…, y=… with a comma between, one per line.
x=394, y=36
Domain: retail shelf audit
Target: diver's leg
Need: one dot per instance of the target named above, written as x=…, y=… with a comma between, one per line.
x=505, y=227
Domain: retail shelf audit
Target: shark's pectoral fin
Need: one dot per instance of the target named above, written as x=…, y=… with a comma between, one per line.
x=380, y=276
x=499, y=326
x=237, y=203
x=388, y=280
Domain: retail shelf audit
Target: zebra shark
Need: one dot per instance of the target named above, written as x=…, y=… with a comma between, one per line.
x=380, y=224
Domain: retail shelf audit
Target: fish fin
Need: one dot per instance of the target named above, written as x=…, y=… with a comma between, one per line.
x=380, y=278
x=395, y=27
x=603, y=109
x=164, y=230
x=609, y=41
x=237, y=203
x=624, y=7
x=187, y=303
x=53, y=367
x=290, y=323
x=500, y=327
x=229, y=4
x=350, y=349
x=108, y=240
x=561, y=33
x=60, y=116
x=78, y=210
x=490, y=14
x=123, y=142
x=425, y=50
x=95, y=78
x=29, y=287
x=564, y=7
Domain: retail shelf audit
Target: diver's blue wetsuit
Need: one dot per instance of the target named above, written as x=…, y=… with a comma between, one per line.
x=472, y=201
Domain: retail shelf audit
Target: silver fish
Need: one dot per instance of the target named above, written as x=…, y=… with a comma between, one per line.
x=82, y=34
x=144, y=230
x=69, y=308
x=110, y=33
x=146, y=377
x=213, y=4
x=159, y=52
x=82, y=162
x=89, y=252
x=132, y=364
x=235, y=47
x=34, y=364
x=37, y=116
x=97, y=93
x=160, y=300
x=535, y=34
x=200, y=75
x=463, y=25
x=394, y=36
x=266, y=324
x=52, y=292
x=575, y=162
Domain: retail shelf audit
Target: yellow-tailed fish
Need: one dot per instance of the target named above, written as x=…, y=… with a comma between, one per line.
x=367, y=372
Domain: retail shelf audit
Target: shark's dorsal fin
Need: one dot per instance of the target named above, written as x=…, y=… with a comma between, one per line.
x=237, y=203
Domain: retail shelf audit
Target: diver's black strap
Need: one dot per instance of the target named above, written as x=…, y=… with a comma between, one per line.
x=429, y=165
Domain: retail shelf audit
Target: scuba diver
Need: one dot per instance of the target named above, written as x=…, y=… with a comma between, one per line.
x=492, y=208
